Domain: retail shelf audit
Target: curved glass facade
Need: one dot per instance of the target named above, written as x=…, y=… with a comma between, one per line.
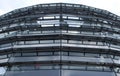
x=60, y=39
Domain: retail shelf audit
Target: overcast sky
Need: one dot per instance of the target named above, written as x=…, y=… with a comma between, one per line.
x=110, y=5
x=9, y=5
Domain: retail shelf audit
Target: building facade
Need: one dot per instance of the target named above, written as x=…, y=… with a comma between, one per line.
x=60, y=39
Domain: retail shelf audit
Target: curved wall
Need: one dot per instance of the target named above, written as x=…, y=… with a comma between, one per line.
x=60, y=39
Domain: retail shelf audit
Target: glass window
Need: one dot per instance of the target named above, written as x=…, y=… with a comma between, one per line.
x=74, y=32
x=89, y=42
x=46, y=41
x=31, y=42
x=117, y=70
x=81, y=67
x=86, y=73
x=117, y=57
x=51, y=31
x=0, y=29
x=46, y=25
x=73, y=41
x=107, y=26
x=45, y=53
x=100, y=43
x=76, y=5
x=91, y=55
x=45, y=5
x=95, y=68
x=64, y=16
x=45, y=67
x=76, y=54
x=57, y=53
x=56, y=67
x=64, y=41
x=22, y=24
x=17, y=54
x=13, y=32
x=65, y=53
x=9, y=55
x=57, y=41
x=25, y=32
x=107, y=68
x=69, y=5
x=3, y=56
x=64, y=31
x=57, y=16
x=98, y=24
x=13, y=25
x=2, y=35
x=34, y=24
x=35, y=32
x=87, y=33
x=57, y=31
x=65, y=67
x=57, y=25
x=48, y=22
x=73, y=17
x=105, y=56
x=97, y=33
x=27, y=67
x=29, y=54
x=73, y=25
x=71, y=22
x=15, y=68
x=52, y=4
x=21, y=42
x=49, y=17
x=6, y=45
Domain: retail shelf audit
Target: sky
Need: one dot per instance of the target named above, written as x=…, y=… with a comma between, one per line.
x=110, y=5
x=9, y=5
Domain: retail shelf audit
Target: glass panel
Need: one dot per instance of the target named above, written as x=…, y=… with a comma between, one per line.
x=34, y=73
x=76, y=54
x=64, y=53
x=65, y=67
x=2, y=70
x=45, y=67
x=46, y=25
x=3, y=56
x=91, y=55
x=64, y=41
x=21, y=42
x=46, y=41
x=107, y=69
x=17, y=54
x=86, y=73
x=96, y=68
x=73, y=41
x=29, y=54
x=31, y=42
x=57, y=41
x=73, y=17
x=45, y=53
x=80, y=67
x=13, y=25
x=49, y=17
x=6, y=45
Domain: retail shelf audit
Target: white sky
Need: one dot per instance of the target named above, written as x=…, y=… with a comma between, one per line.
x=110, y=5
x=9, y=5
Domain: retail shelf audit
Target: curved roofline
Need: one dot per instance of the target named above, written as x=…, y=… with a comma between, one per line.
x=85, y=7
